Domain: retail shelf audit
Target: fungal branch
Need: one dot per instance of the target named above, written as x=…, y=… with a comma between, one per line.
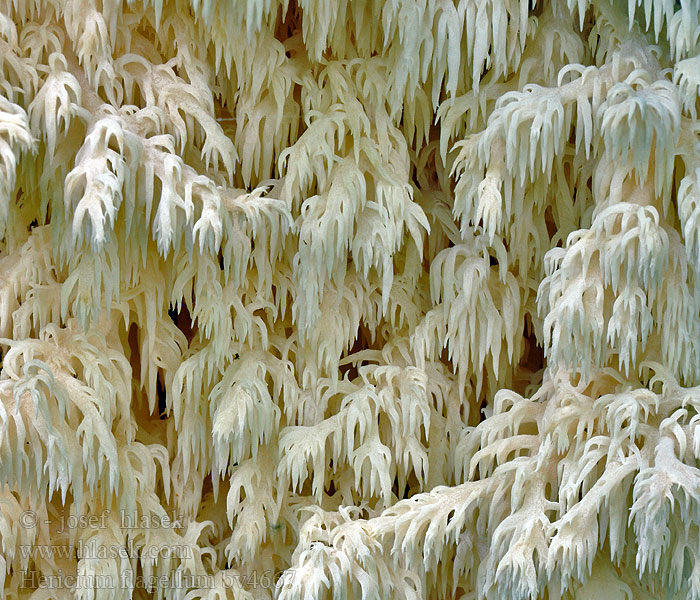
x=547, y=477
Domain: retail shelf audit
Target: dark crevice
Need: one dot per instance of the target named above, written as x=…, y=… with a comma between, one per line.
x=162, y=399
x=183, y=321
x=134, y=352
x=482, y=410
x=362, y=342
x=536, y=7
x=532, y=362
x=533, y=358
x=403, y=492
x=549, y=222
x=288, y=23
x=348, y=371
